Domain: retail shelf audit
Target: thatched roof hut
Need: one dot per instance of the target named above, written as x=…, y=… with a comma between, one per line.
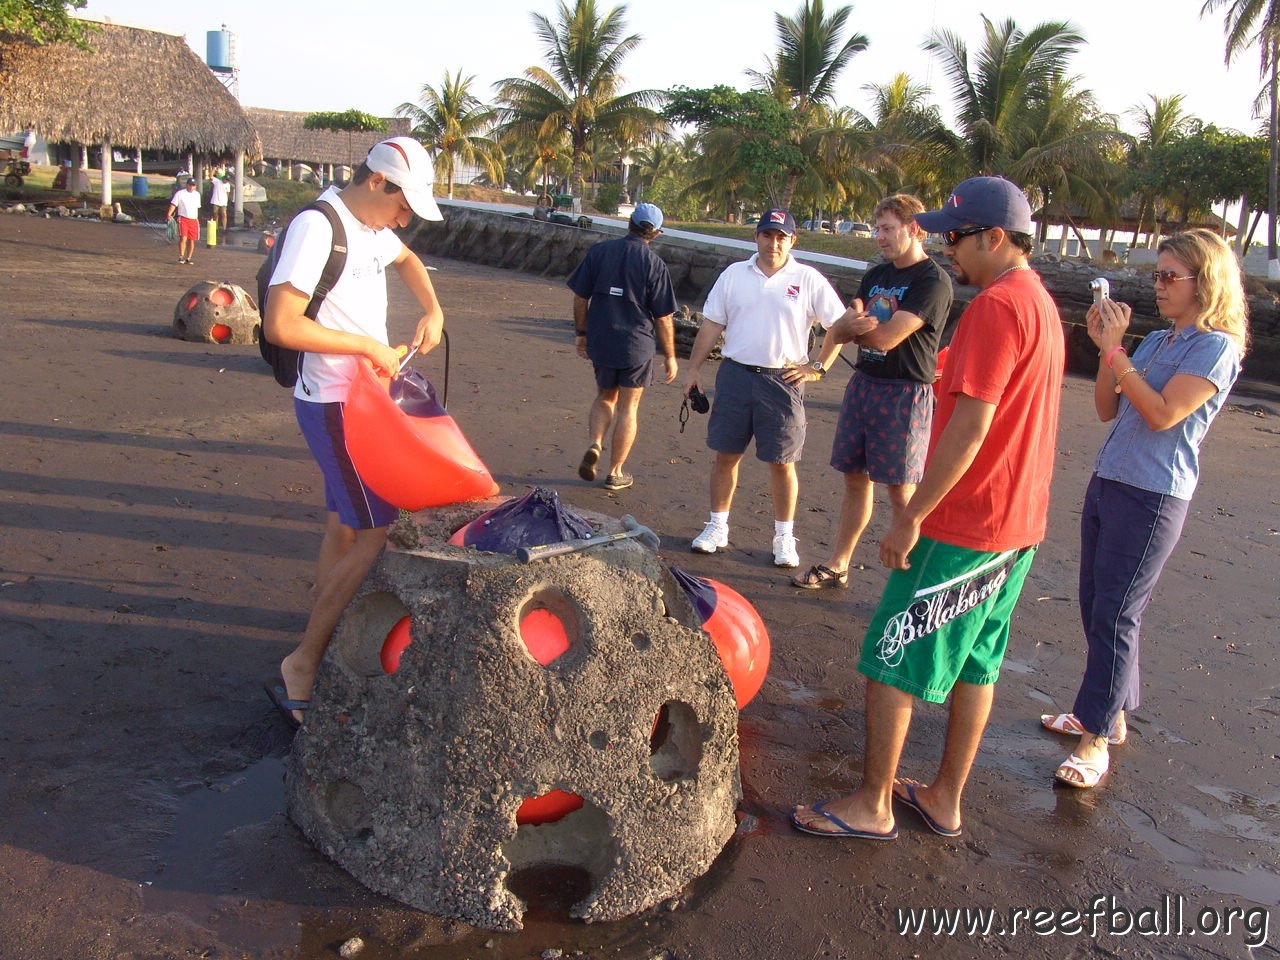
x=284, y=138
x=133, y=88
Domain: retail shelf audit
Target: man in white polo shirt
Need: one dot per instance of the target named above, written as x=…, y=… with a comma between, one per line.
x=765, y=308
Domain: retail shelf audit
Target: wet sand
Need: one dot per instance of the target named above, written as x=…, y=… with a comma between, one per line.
x=157, y=535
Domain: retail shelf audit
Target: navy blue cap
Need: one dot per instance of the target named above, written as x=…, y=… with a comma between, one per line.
x=647, y=213
x=778, y=220
x=982, y=202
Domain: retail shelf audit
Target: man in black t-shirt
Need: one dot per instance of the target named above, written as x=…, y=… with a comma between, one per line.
x=883, y=432
x=622, y=305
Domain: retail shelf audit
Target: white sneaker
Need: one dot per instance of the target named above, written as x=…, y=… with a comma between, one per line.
x=784, y=551
x=714, y=536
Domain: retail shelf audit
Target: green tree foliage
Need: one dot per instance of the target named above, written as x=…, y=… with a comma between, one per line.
x=44, y=21
x=457, y=126
x=996, y=93
x=754, y=135
x=576, y=96
x=1250, y=22
x=1205, y=167
x=348, y=121
x=802, y=76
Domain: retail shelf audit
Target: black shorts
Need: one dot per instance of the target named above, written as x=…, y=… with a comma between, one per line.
x=607, y=378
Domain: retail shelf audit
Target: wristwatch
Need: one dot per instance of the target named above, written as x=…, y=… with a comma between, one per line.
x=818, y=368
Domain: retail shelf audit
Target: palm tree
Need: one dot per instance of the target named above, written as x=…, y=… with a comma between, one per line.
x=803, y=73
x=577, y=92
x=1161, y=123
x=908, y=145
x=1249, y=22
x=993, y=96
x=810, y=55
x=457, y=126
x=1073, y=157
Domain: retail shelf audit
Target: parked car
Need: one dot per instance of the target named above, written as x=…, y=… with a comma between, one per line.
x=823, y=225
x=853, y=228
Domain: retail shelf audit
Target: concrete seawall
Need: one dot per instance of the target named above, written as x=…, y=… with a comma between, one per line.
x=505, y=240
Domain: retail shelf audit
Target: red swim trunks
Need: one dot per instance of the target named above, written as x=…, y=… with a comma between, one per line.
x=188, y=228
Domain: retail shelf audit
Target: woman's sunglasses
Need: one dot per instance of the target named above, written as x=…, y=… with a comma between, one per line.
x=1167, y=276
x=952, y=237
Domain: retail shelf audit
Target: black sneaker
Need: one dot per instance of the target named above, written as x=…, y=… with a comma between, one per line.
x=618, y=481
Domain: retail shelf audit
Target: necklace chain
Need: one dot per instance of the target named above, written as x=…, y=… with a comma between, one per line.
x=1016, y=266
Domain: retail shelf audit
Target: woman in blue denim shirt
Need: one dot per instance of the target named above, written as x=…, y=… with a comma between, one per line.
x=1162, y=402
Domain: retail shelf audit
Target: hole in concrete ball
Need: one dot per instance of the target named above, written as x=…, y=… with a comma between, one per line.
x=675, y=745
x=641, y=642
x=582, y=841
x=347, y=809
x=364, y=632
x=220, y=332
x=221, y=296
x=599, y=739
x=550, y=625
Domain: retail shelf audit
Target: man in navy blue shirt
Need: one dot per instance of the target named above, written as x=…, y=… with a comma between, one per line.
x=622, y=307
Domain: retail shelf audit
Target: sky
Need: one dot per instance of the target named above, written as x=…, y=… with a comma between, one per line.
x=317, y=55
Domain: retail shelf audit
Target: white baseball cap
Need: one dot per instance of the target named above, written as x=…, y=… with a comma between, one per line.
x=406, y=163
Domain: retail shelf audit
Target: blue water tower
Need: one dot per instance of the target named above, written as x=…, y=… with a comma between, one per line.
x=221, y=47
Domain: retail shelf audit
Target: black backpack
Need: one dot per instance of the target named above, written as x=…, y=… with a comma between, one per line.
x=286, y=364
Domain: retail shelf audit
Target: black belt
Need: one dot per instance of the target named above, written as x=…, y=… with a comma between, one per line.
x=754, y=369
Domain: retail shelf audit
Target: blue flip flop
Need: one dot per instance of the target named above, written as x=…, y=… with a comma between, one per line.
x=910, y=801
x=844, y=830
x=280, y=697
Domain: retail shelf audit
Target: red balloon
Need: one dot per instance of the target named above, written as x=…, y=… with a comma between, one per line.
x=547, y=808
x=741, y=640
x=394, y=646
x=544, y=635
x=220, y=332
x=411, y=462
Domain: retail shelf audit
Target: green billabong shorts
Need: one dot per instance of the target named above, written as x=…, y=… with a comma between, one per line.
x=945, y=619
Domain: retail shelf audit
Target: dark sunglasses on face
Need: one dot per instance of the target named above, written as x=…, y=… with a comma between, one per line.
x=1167, y=276
x=952, y=237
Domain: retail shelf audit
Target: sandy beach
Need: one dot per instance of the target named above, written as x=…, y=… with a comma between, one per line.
x=158, y=527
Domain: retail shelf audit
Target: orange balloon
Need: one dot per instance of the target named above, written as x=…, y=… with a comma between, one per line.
x=547, y=808
x=544, y=635
x=741, y=641
x=220, y=332
x=393, y=647
x=411, y=462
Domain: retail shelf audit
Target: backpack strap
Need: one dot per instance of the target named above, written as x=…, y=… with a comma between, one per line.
x=337, y=261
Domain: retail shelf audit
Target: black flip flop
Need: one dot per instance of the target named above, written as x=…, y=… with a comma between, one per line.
x=280, y=697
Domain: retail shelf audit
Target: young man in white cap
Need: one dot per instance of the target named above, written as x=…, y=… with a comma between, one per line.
x=959, y=551
x=392, y=184
x=622, y=307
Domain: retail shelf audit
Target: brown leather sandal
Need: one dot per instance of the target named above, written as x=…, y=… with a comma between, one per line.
x=820, y=577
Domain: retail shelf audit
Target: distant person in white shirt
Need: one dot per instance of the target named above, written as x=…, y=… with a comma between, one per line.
x=218, y=194
x=186, y=204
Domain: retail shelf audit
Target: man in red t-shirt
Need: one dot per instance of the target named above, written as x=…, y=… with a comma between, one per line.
x=960, y=550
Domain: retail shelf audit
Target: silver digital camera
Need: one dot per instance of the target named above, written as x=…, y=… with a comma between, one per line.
x=1101, y=290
